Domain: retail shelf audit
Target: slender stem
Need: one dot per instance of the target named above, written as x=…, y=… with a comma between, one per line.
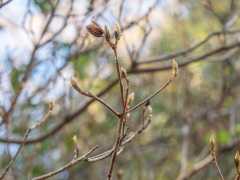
x=237, y=177
x=158, y=91
x=121, y=119
x=115, y=149
x=70, y=164
x=216, y=165
x=119, y=76
x=104, y=103
x=23, y=141
x=125, y=105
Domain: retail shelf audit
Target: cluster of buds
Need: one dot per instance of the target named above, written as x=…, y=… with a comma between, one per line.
x=174, y=68
x=97, y=31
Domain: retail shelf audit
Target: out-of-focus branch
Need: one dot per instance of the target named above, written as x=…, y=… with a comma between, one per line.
x=69, y=118
x=202, y=164
x=188, y=50
x=5, y=3
x=189, y=60
x=35, y=126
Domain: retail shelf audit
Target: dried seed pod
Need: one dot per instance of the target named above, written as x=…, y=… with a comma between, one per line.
x=106, y=33
x=175, y=68
x=96, y=24
x=212, y=144
x=51, y=104
x=117, y=32
x=95, y=31
x=123, y=73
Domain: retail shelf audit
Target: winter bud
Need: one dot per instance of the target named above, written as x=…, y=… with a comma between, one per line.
x=175, y=68
x=123, y=73
x=106, y=33
x=117, y=32
x=212, y=144
x=51, y=104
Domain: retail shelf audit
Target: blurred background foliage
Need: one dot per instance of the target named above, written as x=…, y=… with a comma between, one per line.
x=202, y=100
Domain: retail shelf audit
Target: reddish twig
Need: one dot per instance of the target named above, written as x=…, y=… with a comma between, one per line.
x=104, y=103
x=120, y=120
x=154, y=94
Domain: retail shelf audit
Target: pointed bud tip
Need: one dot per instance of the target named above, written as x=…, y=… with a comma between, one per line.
x=106, y=33
x=174, y=68
x=75, y=84
x=123, y=73
x=212, y=144
x=74, y=139
x=51, y=104
x=237, y=156
x=117, y=32
x=212, y=141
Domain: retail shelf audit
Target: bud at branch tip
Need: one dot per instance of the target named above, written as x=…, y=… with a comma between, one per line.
x=212, y=144
x=51, y=104
x=175, y=68
x=117, y=32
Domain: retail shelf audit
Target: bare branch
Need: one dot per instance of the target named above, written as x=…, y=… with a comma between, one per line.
x=23, y=141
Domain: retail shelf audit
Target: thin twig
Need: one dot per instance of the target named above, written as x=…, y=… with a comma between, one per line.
x=94, y=158
x=188, y=50
x=125, y=105
x=23, y=141
x=72, y=163
x=216, y=165
x=119, y=75
x=120, y=125
x=104, y=103
x=154, y=94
